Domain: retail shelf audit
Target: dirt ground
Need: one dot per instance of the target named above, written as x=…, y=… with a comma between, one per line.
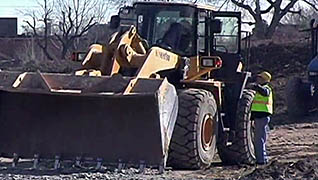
x=292, y=143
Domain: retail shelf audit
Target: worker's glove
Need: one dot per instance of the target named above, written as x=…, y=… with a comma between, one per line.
x=253, y=86
x=259, y=88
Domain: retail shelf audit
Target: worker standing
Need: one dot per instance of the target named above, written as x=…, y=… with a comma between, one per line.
x=262, y=109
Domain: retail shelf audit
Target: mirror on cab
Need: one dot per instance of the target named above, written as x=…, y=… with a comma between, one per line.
x=216, y=26
x=78, y=56
x=126, y=10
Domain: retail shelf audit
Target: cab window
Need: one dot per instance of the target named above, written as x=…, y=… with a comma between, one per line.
x=227, y=41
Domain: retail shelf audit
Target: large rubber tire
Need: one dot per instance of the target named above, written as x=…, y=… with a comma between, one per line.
x=241, y=150
x=297, y=97
x=193, y=142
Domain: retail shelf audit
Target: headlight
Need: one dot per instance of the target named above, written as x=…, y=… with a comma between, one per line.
x=208, y=62
x=211, y=61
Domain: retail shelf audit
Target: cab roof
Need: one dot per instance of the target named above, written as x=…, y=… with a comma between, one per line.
x=195, y=5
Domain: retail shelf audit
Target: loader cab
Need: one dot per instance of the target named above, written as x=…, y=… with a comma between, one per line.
x=194, y=30
x=190, y=30
x=210, y=31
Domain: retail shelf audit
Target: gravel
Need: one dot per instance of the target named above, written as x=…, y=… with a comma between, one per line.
x=68, y=171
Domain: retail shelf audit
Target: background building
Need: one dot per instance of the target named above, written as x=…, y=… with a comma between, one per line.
x=8, y=27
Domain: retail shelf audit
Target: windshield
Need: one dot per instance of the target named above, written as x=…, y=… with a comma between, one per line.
x=170, y=27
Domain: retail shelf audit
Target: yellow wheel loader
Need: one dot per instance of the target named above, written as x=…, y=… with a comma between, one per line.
x=166, y=90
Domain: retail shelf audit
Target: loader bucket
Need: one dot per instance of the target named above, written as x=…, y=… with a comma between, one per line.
x=87, y=117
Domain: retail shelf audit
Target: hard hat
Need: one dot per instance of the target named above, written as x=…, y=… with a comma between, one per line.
x=265, y=75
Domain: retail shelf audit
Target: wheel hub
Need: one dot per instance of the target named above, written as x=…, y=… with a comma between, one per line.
x=207, y=132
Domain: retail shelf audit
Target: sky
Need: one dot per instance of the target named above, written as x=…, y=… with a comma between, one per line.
x=15, y=8
x=12, y=8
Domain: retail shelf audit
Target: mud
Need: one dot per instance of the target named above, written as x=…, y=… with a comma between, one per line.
x=301, y=169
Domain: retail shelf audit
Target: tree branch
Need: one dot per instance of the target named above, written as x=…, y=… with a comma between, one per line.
x=244, y=6
x=271, y=2
x=70, y=21
x=58, y=37
x=33, y=27
x=311, y=4
x=272, y=5
x=294, y=12
x=268, y=9
x=288, y=7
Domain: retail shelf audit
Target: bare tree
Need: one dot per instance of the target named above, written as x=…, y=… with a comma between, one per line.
x=76, y=17
x=68, y=21
x=272, y=10
x=301, y=19
x=42, y=32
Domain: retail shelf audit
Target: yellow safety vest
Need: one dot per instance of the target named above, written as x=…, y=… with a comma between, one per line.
x=263, y=103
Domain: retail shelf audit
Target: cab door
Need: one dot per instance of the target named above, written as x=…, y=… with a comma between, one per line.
x=227, y=43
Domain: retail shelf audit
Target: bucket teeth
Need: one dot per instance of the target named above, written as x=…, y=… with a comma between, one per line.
x=141, y=166
x=78, y=161
x=36, y=161
x=15, y=160
x=161, y=169
x=57, y=162
x=99, y=163
x=162, y=165
x=120, y=165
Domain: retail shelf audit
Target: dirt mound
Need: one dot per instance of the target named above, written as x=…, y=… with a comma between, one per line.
x=302, y=169
x=283, y=61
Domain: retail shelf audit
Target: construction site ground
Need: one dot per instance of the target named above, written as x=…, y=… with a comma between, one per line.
x=292, y=143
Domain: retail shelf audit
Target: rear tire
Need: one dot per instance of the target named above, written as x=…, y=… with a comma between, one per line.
x=242, y=148
x=298, y=97
x=193, y=142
